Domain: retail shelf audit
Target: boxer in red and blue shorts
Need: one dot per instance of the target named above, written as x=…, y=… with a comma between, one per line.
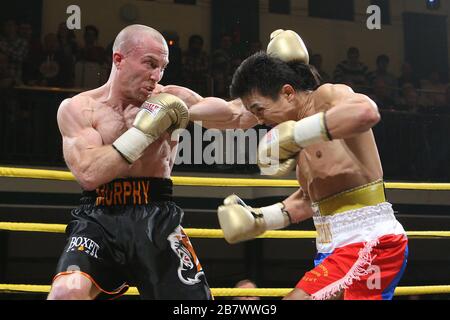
x=362, y=251
x=325, y=132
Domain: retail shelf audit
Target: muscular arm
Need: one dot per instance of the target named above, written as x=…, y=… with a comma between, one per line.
x=298, y=205
x=187, y=95
x=220, y=114
x=213, y=112
x=349, y=114
x=91, y=162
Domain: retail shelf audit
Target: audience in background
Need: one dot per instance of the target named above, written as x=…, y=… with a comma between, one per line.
x=67, y=40
x=196, y=66
x=246, y=284
x=254, y=47
x=90, y=68
x=382, y=95
x=51, y=67
x=408, y=76
x=60, y=61
x=316, y=60
x=409, y=99
x=6, y=78
x=14, y=47
x=174, y=71
x=91, y=51
x=27, y=33
x=352, y=71
x=221, y=66
x=382, y=72
x=434, y=90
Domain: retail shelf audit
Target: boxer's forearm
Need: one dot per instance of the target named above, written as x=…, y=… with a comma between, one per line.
x=213, y=112
x=220, y=114
x=299, y=206
x=97, y=166
x=211, y=109
x=202, y=109
x=351, y=118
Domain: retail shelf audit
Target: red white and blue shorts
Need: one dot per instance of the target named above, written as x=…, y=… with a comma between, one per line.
x=368, y=269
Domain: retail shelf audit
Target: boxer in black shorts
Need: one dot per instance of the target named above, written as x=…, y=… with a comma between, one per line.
x=128, y=231
x=119, y=142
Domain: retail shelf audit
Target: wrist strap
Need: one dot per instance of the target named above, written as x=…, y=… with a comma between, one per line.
x=283, y=209
x=125, y=158
x=327, y=132
x=311, y=130
x=275, y=217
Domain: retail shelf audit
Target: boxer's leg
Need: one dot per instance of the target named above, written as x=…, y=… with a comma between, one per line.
x=73, y=286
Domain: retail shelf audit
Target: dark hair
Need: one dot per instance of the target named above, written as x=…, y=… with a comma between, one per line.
x=267, y=75
x=195, y=37
x=241, y=282
x=353, y=50
x=382, y=58
x=91, y=28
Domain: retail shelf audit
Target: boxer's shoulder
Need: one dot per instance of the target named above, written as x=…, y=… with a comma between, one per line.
x=331, y=91
x=159, y=88
x=76, y=109
x=74, y=104
x=329, y=94
x=187, y=95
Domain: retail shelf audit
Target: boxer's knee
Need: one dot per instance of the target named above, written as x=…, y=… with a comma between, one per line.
x=72, y=287
x=297, y=294
x=61, y=292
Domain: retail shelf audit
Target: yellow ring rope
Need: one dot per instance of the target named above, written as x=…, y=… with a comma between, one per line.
x=214, y=182
x=237, y=292
x=214, y=233
x=180, y=181
x=206, y=233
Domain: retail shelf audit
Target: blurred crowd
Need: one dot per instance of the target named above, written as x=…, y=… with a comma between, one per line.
x=415, y=111
x=405, y=92
x=60, y=60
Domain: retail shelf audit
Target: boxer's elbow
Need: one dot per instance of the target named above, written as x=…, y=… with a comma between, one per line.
x=87, y=182
x=87, y=178
x=367, y=115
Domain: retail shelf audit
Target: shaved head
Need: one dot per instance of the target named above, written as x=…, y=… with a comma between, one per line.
x=140, y=56
x=131, y=37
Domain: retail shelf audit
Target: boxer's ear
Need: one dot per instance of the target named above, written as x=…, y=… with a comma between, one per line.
x=117, y=59
x=288, y=92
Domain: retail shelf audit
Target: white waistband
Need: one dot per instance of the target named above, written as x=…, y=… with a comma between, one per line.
x=360, y=225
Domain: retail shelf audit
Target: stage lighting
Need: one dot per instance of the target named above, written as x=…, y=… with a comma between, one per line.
x=433, y=4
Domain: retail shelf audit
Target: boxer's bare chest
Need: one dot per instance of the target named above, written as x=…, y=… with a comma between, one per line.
x=330, y=167
x=111, y=123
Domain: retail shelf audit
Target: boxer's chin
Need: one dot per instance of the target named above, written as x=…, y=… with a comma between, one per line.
x=140, y=97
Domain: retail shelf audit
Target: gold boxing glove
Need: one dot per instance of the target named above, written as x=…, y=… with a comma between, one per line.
x=278, y=149
x=287, y=46
x=158, y=114
x=240, y=222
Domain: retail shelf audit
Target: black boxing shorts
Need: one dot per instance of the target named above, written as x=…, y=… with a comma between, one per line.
x=128, y=232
